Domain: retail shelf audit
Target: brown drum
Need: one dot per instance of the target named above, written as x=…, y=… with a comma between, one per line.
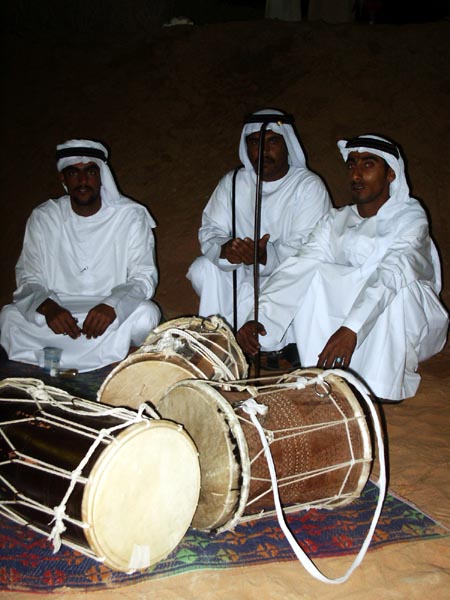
x=116, y=485
x=185, y=348
x=317, y=433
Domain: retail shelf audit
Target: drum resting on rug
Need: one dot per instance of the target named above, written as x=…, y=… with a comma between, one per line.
x=117, y=485
x=184, y=348
x=317, y=433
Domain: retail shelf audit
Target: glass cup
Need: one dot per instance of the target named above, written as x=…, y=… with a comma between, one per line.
x=52, y=357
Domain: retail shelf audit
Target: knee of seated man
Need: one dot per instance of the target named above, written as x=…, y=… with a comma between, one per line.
x=199, y=271
x=145, y=318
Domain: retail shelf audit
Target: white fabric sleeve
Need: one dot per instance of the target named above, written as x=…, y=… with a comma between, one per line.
x=282, y=293
x=32, y=289
x=142, y=274
x=408, y=259
x=217, y=226
x=313, y=202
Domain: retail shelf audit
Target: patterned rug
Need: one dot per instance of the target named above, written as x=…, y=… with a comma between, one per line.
x=27, y=561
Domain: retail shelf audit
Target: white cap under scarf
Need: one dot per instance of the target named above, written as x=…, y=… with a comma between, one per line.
x=86, y=151
x=296, y=157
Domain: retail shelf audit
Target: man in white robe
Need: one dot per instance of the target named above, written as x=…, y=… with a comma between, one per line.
x=362, y=293
x=293, y=200
x=86, y=272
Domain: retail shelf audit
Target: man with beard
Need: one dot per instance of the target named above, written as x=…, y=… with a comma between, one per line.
x=363, y=292
x=86, y=272
x=293, y=200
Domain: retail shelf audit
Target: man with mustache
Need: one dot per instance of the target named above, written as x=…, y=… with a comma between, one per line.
x=87, y=269
x=363, y=292
x=293, y=200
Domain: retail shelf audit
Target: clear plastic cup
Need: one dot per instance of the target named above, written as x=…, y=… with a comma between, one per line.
x=52, y=357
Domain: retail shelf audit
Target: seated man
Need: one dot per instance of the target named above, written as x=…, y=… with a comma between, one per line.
x=293, y=201
x=86, y=272
x=363, y=291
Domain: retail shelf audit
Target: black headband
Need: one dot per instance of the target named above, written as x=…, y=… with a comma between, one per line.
x=81, y=151
x=367, y=142
x=269, y=118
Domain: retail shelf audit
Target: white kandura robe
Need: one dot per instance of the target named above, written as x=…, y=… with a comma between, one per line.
x=290, y=208
x=80, y=262
x=378, y=276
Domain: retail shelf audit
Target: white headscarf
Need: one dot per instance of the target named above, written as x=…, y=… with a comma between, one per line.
x=109, y=192
x=296, y=156
x=398, y=188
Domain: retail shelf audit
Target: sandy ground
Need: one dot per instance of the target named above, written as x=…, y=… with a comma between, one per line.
x=170, y=105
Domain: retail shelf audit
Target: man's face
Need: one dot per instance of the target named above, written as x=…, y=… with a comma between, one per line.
x=83, y=184
x=275, y=165
x=370, y=177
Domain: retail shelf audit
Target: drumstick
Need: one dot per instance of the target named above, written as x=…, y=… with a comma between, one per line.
x=256, y=236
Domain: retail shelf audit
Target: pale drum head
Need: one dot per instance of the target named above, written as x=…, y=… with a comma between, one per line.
x=166, y=358
x=141, y=495
x=321, y=448
x=224, y=459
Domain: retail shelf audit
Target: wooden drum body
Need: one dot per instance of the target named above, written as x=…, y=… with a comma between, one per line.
x=185, y=348
x=119, y=487
x=318, y=438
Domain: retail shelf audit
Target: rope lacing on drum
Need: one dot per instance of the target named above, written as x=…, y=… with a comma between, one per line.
x=59, y=511
x=38, y=391
x=252, y=408
x=170, y=342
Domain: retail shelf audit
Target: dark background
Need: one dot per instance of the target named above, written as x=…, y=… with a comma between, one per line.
x=169, y=102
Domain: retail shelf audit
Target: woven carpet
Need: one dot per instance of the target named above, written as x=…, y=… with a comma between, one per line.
x=28, y=563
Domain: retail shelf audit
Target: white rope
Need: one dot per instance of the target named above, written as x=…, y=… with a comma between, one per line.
x=249, y=407
x=345, y=420
x=60, y=510
x=302, y=429
x=294, y=432
x=40, y=465
x=170, y=344
x=21, y=521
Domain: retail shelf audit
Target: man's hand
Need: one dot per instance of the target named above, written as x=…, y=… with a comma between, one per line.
x=339, y=349
x=97, y=321
x=59, y=319
x=247, y=337
x=239, y=251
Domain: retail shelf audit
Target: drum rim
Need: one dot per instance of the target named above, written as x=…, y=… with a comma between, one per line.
x=228, y=416
x=100, y=470
x=144, y=357
x=184, y=322
x=145, y=353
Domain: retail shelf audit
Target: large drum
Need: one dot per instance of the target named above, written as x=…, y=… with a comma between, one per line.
x=116, y=485
x=318, y=436
x=185, y=348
